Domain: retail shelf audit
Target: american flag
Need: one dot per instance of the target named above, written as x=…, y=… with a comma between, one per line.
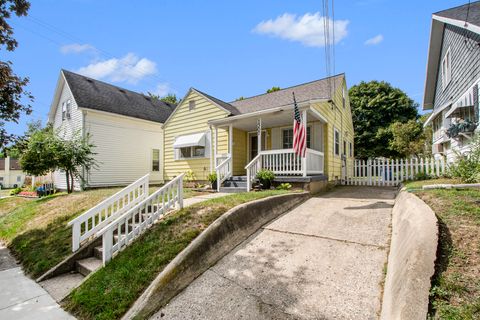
x=299, y=133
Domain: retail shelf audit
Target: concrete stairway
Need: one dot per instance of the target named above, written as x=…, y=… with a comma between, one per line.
x=234, y=184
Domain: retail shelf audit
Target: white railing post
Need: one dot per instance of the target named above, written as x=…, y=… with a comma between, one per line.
x=75, y=237
x=304, y=166
x=107, y=244
x=180, y=194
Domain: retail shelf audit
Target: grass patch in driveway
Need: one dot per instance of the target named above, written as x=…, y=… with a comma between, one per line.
x=109, y=292
x=455, y=291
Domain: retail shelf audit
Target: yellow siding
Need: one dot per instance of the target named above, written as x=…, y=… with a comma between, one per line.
x=341, y=119
x=184, y=121
x=239, y=151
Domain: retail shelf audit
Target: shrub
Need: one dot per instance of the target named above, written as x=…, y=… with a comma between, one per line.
x=284, y=186
x=467, y=166
x=189, y=176
x=422, y=176
x=212, y=177
x=15, y=191
x=265, y=177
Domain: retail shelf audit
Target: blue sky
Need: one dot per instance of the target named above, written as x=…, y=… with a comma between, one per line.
x=227, y=49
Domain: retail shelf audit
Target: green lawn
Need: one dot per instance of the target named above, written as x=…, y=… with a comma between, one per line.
x=455, y=292
x=414, y=185
x=108, y=293
x=36, y=230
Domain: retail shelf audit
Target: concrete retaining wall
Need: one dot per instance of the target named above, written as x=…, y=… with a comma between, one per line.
x=215, y=242
x=411, y=261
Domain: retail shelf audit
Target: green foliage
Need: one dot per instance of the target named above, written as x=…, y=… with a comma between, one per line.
x=409, y=139
x=273, y=89
x=15, y=191
x=14, y=100
x=284, y=186
x=46, y=151
x=189, y=176
x=422, y=176
x=170, y=98
x=375, y=106
x=265, y=177
x=456, y=128
x=212, y=177
x=467, y=167
x=240, y=98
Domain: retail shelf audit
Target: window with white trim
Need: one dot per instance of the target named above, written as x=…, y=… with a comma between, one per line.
x=155, y=160
x=446, y=69
x=287, y=138
x=66, y=110
x=344, y=96
x=350, y=149
x=19, y=178
x=336, y=138
x=344, y=147
x=192, y=152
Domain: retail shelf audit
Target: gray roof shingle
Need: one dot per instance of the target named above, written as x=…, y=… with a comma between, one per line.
x=460, y=13
x=319, y=89
x=98, y=95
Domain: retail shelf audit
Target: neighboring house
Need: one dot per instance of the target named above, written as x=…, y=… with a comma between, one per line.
x=11, y=174
x=453, y=78
x=205, y=134
x=124, y=126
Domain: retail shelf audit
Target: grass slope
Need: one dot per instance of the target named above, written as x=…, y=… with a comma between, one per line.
x=109, y=293
x=455, y=292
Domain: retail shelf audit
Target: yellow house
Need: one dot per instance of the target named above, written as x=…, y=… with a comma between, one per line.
x=236, y=139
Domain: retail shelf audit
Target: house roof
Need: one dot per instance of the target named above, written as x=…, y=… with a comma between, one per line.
x=221, y=103
x=319, y=89
x=98, y=95
x=455, y=16
x=460, y=13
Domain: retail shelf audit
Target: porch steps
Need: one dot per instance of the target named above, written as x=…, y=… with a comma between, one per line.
x=234, y=184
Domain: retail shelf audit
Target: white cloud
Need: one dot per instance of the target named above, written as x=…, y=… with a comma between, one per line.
x=374, y=41
x=77, y=48
x=307, y=29
x=162, y=89
x=129, y=68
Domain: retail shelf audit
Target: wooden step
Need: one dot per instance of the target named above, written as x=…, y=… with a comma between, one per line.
x=88, y=265
x=98, y=252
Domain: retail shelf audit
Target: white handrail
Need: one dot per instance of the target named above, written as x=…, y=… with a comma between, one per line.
x=224, y=171
x=135, y=221
x=252, y=168
x=92, y=220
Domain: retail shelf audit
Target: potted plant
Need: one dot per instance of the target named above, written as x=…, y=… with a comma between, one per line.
x=212, y=178
x=265, y=177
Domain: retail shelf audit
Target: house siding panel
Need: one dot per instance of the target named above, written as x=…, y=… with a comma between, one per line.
x=123, y=148
x=184, y=121
x=465, y=64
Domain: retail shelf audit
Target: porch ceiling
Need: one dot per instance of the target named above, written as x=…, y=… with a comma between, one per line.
x=274, y=119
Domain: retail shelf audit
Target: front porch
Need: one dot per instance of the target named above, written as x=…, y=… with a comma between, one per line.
x=263, y=140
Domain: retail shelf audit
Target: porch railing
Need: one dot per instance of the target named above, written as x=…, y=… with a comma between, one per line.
x=224, y=171
x=131, y=224
x=91, y=221
x=285, y=162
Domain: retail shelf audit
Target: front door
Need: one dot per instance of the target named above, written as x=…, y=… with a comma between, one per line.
x=254, y=144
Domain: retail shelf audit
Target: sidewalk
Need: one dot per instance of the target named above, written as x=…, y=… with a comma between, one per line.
x=189, y=201
x=23, y=298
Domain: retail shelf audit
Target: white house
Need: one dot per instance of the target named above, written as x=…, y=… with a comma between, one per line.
x=11, y=174
x=124, y=126
x=453, y=78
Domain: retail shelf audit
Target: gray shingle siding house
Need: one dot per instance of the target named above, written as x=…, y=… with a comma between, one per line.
x=453, y=77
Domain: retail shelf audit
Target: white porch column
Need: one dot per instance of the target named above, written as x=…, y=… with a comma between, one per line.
x=230, y=140
x=212, y=157
x=304, y=159
x=259, y=135
x=215, y=147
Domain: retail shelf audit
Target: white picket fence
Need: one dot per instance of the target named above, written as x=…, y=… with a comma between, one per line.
x=391, y=172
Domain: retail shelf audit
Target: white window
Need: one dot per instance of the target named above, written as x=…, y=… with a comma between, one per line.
x=287, y=138
x=19, y=178
x=344, y=147
x=66, y=110
x=192, y=152
x=350, y=149
x=191, y=105
x=344, y=96
x=336, y=137
x=446, y=69
x=155, y=160
x=192, y=146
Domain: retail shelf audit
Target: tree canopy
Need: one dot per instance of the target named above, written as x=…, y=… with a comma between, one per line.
x=169, y=98
x=375, y=106
x=12, y=87
x=273, y=89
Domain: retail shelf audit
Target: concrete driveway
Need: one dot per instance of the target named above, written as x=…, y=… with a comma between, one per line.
x=323, y=260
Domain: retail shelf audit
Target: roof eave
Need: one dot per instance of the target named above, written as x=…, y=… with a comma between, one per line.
x=433, y=60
